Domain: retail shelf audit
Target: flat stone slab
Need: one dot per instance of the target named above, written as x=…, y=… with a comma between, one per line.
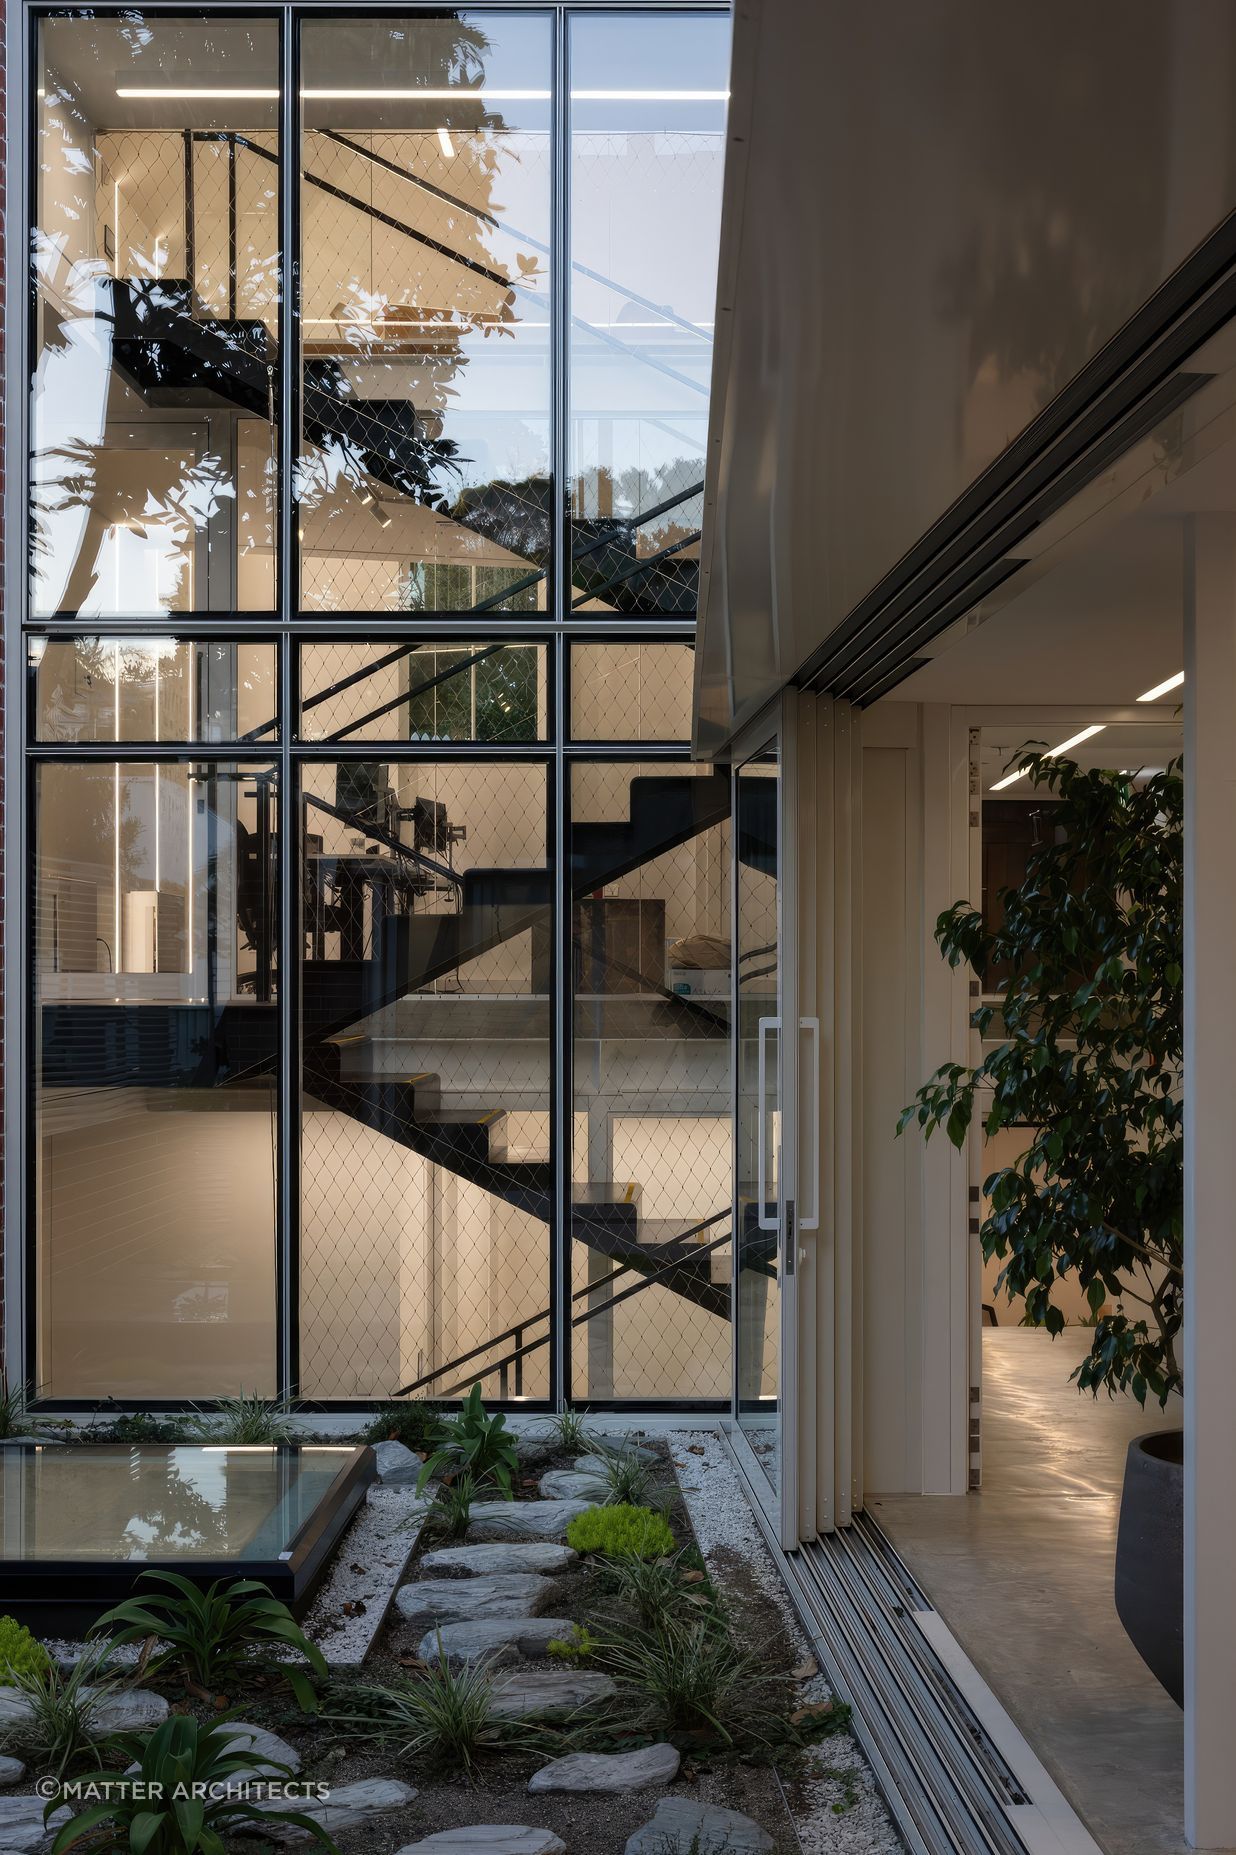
x=489, y=1839
x=539, y=1555
x=131, y=1710
x=617, y=1446
x=681, y=1827
x=606, y=1771
x=12, y=1771
x=348, y=1807
x=494, y=1637
x=470, y=1600
x=566, y=1485
x=267, y=1750
x=397, y=1465
x=546, y=1694
x=22, y=1830
x=522, y=1520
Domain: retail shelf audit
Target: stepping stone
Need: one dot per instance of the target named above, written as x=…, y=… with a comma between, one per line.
x=470, y=1600
x=522, y=1520
x=605, y=1771
x=498, y=1638
x=22, y=1829
x=566, y=1485
x=624, y=1446
x=489, y=1839
x=349, y=1806
x=592, y=1465
x=542, y=1694
x=396, y=1464
x=494, y=1561
x=681, y=1827
x=266, y=1748
x=12, y=1771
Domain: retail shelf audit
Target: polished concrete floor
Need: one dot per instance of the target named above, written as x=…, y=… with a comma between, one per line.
x=1022, y=1574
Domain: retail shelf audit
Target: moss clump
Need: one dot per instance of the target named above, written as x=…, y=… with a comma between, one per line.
x=20, y=1652
x=621, y=1532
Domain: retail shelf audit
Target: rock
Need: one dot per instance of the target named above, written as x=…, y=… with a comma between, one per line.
x=615, y=1446
x=128, y=1710
x=495, y=1561
x=545, y=1694
x=12, y=1771
x=267, y=1749
x=22, y=1827
x=566, y=1485
x=350, y=1806
x=396, y=1464
x=496, y=1637
x=489, y=1839
x=522, y=1520
x=15, y=1708
x=470, y=1600
x=604, y=1771
x=43, y=1441
x=681, y=1826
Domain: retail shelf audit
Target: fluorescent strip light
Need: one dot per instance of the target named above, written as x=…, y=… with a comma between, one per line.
x=1161, y=689
x=446, y=144
x=187, y=93
x=1074, y=740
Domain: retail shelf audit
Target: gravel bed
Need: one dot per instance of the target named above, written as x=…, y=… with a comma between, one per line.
x=351, y=1604
x=837, y=1811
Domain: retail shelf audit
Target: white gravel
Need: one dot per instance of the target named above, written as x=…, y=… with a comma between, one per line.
x=845, y=1814
x=369, y=1561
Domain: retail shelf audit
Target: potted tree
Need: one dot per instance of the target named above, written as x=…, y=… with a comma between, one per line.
x=1084, y=1052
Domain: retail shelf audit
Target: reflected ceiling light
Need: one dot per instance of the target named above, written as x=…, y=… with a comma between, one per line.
x=1074, y=740
x=1161, y=689
x=446, y=144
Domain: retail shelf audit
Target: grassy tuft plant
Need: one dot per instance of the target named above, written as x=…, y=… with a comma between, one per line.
x=620, y=1532
x=213, y=1636
x=451, y=1512
x=687, y=1677
x=178, y=1802
x=567, y=1430
x=57, y=1736
x=663, y=1589
x=247, y=1421
x=476, y=1442
x=20, y=1652
x=15, y=1417
x=441, y=1713
x=626, y=1479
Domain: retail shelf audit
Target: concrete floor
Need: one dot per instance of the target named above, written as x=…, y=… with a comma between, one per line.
x=1022, y=1574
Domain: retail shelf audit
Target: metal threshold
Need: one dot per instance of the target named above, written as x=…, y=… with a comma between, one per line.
x=957, y=1774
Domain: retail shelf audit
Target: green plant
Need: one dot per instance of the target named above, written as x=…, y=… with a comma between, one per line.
x=143, y=1427
x=568, y=1432
x=662, y=1588
x=441, y=1713
x=474, y=1441
x=14, y=1407
x=580, y=1646
x=688, y=1677
x=621, y=1531
x=625, y=1478
x=451, y=1512
x=212, y=1635
x=184, y=1799
x=20, y=1652
x=247, y=1421
x=410, y=1421
x=57, y=1733
x=1089, y=1058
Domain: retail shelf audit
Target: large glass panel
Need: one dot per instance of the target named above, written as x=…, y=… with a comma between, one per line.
x=466, y=690
x=155, y=1043
x=151, y=689
x=631, y=692
x=425, y=298
x=427, y=1181
x=651, y=1219
x=757, y=1132
x=156, y=265
x=647, y=146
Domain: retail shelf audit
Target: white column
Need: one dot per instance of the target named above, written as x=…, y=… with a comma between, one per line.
x=1210, y=1182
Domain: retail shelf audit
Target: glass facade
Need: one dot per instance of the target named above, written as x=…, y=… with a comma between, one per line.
x=379, y=923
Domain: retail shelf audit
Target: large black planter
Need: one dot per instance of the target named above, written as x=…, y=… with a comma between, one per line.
x=1150, y=1555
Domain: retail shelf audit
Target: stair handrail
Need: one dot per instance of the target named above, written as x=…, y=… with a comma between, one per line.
x=646, y=1281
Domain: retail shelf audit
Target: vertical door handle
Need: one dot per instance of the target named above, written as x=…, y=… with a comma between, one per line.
x=763, y=1222
x=810, y=1220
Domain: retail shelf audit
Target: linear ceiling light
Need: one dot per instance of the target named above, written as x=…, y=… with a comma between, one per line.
x=1074, y=740
x=1161, y=689
x=187, y=93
